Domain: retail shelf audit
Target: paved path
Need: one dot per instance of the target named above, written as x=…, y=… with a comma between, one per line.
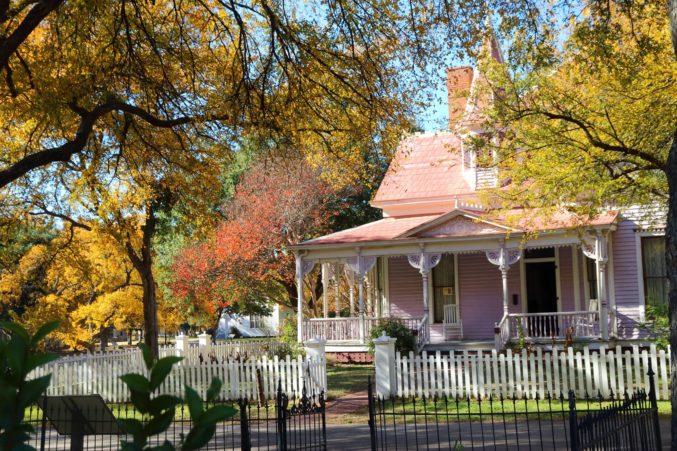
x=347, y=404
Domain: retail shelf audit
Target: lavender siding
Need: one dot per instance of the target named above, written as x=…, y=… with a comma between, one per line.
x=481, y=295
x=566, y=276
x=626, y=269
x=405, y=288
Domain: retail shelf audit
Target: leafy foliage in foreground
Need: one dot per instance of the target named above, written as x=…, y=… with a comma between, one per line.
x=159, y=410
x=20, y=355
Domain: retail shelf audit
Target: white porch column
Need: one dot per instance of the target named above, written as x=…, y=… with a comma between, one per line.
x=299, y=297
x=337, y=280
x=598, y=251
x=601, y=261
x=360, y=296
x=358, y=266
x=302, y=268
x=424, y=263
x=504, y=258
x=325, y=290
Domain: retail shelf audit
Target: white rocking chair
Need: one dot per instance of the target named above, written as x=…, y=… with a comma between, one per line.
x=452, y=327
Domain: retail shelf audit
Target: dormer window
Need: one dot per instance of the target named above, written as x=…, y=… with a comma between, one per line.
x=479, y=160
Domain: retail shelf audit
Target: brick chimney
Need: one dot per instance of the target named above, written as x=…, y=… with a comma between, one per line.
x=459, y=80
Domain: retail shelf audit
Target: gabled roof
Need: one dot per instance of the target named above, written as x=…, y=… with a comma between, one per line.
x=456, y=224
x=425, y=167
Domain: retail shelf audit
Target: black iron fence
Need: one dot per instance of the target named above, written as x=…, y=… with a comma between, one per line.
x=287, y=423
x=552, y=423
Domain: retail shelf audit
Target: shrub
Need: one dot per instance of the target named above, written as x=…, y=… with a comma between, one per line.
x=658, y=324
x=289, y=336
x=159, y=410
x=20, y=354
x=406, y=342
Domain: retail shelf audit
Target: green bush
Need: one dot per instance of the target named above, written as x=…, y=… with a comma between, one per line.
x=159, y=410
x=406, y=342
x=658, y=324
x=20, y=354
x=289, y=336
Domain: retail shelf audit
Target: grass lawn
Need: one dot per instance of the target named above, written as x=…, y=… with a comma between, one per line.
x=346, y=379
x=465, y=410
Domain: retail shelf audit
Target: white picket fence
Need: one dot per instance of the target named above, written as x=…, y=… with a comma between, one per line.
x=102, y=376
x=229, y=350
x=485, y=374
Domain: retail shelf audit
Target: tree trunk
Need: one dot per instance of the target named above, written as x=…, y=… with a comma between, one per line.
x=143, y=264
x=671, y=259
x=671, y=246
x=103, y=336
x=149, y=308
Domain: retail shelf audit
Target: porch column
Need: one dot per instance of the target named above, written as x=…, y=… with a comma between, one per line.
x=360, y=288
x=325, y=289
x=359, y=266
x=504, y=258
x=598, y=251
x=424, y=263
x=302, y=268
x=299, y=297
x=337, y=279
x=601, y=261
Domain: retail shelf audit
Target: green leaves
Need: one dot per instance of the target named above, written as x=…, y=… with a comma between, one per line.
x=161, y=369
x=159, y=411
x=194, y=403
x=136, y=382
x=20, y=356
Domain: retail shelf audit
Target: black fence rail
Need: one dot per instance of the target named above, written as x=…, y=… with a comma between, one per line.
x=555, y=422
x=287, y=423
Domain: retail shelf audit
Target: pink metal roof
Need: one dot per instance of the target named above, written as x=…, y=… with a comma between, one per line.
x=425, y=167
x=461, y=223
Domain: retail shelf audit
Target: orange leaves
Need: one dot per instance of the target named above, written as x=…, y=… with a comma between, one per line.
x=246, y=261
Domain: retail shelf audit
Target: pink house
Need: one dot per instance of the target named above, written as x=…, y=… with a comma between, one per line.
x=463, y=276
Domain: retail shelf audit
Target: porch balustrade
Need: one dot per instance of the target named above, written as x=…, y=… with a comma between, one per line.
x=348, y=329
x=550, y=325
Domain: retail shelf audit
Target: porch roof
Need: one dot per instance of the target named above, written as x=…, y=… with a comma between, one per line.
x=460, y=223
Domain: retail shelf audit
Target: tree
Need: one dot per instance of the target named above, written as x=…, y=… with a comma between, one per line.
x=592, y=123
x=121, y=94
x=81, y=278
x=246, y=265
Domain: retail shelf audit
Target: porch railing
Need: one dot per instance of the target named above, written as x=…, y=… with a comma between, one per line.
x=422, y=334
x=348, y=329
x=549, y=325
x=333, y=329
x=502, y=332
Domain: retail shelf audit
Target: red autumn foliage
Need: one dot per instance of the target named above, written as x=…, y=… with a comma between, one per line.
x=246, y=260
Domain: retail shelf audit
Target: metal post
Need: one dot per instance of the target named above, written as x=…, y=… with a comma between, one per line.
x=245, y=434
x=654, y=404
x=281, y=408
x=372, y=414
x=573, y=426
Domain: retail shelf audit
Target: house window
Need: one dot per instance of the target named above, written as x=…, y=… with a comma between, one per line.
x=591, y=273
x=444, y=290
x=654, y=272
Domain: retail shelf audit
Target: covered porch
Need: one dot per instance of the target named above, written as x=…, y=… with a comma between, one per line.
x=469, y=282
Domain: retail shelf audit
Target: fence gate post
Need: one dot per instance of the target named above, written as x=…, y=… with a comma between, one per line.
x=372, y=414
x=654, y=405
x=281, y=409
x=245, y=435
x=384, y=361
x=573, y=427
